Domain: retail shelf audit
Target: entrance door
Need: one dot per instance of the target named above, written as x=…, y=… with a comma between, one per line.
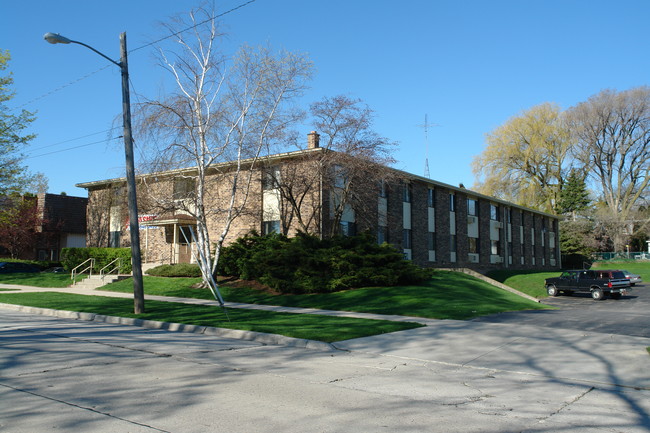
x=184, y=244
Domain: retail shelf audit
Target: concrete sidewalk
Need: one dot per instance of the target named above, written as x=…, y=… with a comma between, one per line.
x=589, y=357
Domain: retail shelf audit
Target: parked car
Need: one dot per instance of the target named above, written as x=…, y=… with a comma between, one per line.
x=634, y=278
x=600, y=283
x=15, y=267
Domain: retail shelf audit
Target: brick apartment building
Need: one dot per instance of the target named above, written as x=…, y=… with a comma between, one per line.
x=434, y=224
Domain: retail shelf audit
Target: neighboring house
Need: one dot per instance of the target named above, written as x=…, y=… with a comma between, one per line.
x=64, y=224
x=434, y=224
x=45, y=224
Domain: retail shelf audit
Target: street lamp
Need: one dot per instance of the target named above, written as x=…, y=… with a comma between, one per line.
x=138, y=291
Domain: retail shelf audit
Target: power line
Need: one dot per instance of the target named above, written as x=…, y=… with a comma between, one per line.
x=45, y=95
x=194, y=26
x=131, y=51
x=66, y=149
x=71, y=139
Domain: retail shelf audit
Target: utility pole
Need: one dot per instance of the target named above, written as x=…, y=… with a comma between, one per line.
x=136, y=261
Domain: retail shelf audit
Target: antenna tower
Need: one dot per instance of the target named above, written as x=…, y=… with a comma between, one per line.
x=426, y=145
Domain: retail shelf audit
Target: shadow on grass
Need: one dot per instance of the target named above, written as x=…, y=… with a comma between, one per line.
x=445, y=296
x=307, y=326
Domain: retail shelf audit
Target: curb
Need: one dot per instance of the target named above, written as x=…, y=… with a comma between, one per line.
x=257, y=337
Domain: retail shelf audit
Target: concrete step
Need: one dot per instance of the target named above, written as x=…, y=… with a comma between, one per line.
x=95, y=281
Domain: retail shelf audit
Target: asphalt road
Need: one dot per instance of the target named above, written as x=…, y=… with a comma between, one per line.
x=629, y=315
x=63, y=375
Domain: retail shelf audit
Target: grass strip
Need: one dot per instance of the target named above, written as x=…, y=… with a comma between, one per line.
x=528, y=282
x=308, y=326
x=448, y=295
x=37, y=279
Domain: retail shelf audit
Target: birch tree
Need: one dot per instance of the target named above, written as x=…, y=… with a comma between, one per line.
x=223, y=118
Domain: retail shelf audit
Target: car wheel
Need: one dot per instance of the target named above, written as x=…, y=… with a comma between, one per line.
x=552, y=290
x=597, y=294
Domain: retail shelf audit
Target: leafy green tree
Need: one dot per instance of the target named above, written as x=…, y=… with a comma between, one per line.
x=577, y=241
x=527, y=158
x=13, y=175
x=574, y=197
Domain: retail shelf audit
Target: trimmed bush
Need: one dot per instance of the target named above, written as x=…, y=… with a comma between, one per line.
x=73, y=257
x=176, y=270
x=306, y=264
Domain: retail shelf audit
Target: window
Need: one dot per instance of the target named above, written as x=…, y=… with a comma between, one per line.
x=494, y=247
x=271, y=178
x=431, y=197
x=114, y=239
x=472, y=245
x=339, y=177
x=382, y=234
x=407, y=193
x=431, y=241
x=184, y=188
x=184, y=235
x=472, y=207
x=452, y=243
x=269, y=227
x=115, y=226
x=348, y=228
x=383, y=189
x=452, y=203
x=494, y=212
x=406, y=239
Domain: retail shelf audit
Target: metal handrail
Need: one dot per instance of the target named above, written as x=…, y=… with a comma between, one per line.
x=102, y=274
x=88, y=268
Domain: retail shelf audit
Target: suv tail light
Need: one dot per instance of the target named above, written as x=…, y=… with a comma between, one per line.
x=609, y=284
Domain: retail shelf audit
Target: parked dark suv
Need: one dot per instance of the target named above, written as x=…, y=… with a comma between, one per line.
x=599, y=283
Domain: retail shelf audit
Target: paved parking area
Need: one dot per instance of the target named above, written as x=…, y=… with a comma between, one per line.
x=629, y=315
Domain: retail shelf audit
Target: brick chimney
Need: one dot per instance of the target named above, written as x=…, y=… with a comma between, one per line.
x=313, y=140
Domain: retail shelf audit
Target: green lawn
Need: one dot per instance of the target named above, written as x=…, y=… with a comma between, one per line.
x=448, y=295
x=528, y=282
x=312, y=327
x=38, y=279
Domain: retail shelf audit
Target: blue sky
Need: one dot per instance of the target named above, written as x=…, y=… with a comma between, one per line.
x=468, y=65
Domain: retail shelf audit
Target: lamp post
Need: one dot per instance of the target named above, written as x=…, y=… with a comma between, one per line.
x=138, y=291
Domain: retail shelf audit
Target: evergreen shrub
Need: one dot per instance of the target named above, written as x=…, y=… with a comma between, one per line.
x=176, y=270
x=306, y=264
